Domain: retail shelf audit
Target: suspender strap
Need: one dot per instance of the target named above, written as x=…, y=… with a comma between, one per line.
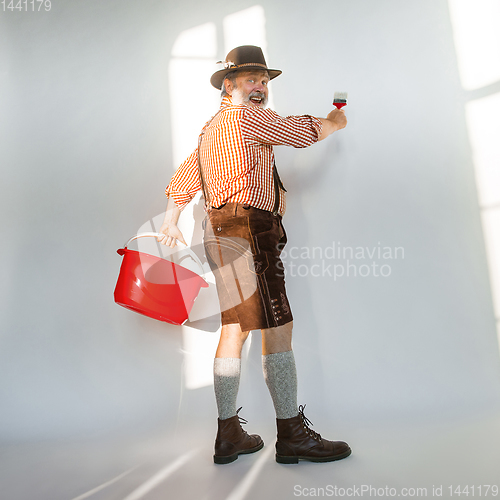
x=206, y=194
x=202, y=179
x=277, y=185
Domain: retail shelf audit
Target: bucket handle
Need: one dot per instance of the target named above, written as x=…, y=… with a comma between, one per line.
x=191, y=253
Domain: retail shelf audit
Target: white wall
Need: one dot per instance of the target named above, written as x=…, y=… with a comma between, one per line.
x=86, y=153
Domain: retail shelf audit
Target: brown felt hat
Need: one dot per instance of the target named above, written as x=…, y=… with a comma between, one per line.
x=246, y=57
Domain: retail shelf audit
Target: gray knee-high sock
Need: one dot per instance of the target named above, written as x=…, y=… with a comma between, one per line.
x=280, y=375
x=226, y=384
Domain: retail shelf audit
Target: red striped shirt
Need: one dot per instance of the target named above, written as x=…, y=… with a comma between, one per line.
x=237, y=156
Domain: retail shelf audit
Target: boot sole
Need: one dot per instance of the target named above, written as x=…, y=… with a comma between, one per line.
x=295, y=459
x=234, y=456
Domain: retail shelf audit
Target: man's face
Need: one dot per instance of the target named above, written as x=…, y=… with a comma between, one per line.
x=250, y=87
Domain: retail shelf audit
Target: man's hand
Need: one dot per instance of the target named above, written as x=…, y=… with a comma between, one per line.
x=336, y=120
x=170, y=233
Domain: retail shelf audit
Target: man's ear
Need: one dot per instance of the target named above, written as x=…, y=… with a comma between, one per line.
x=228, y=84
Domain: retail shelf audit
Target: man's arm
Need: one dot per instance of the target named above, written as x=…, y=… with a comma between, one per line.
x=170, y=233
x=265, y=126
x=183, y=186
x=335, y=120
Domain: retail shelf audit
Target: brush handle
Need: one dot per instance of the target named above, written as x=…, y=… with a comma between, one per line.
x=339, y=105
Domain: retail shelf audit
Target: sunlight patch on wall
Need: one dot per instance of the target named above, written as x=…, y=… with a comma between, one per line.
x=484, y=131
x=477, y=40
x=483, y=122
x=193, y=99
x=491, y=228
x=196, y=42
x=246, y=27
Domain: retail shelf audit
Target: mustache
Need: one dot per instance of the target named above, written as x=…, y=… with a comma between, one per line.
x=257, y=94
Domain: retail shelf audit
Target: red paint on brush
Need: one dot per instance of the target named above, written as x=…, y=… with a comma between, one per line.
x=339, y=105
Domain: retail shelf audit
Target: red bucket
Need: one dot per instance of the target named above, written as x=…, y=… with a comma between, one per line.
x=157, y=287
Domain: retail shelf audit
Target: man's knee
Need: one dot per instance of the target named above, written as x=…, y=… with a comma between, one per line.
x=278, y=339
x=234, y=330
x=282, y=330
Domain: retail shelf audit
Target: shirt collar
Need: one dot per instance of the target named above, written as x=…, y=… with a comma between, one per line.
x=226, y=101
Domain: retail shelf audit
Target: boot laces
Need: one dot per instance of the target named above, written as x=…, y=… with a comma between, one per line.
x=306, y=423
x=241, y=419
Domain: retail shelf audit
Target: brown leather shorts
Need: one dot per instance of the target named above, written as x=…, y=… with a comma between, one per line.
x=243, y=246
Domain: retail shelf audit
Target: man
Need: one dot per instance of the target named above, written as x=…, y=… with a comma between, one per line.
x=245, y=199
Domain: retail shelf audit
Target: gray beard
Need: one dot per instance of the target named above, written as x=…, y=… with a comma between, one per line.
x=246, y=100
x=259, y=94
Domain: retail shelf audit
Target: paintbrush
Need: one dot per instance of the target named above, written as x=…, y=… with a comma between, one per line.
x=339, y=99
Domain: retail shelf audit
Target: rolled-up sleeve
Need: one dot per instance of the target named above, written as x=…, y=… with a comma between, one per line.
x=267, y=127
x=185, y=183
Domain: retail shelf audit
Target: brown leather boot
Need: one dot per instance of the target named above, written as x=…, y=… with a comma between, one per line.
x=296, y=440
x=232, y=440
